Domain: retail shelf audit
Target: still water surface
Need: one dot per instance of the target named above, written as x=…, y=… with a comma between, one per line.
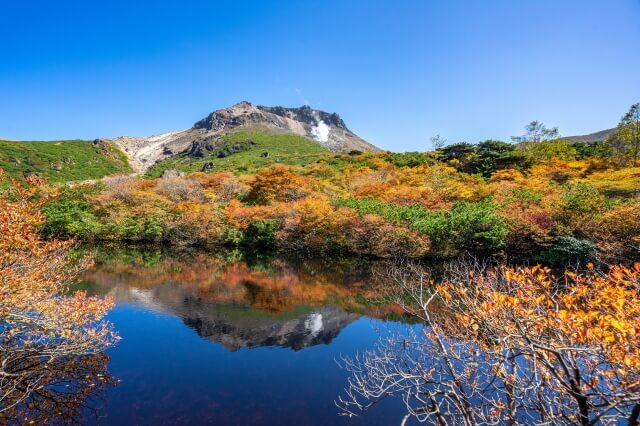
x=230, y=339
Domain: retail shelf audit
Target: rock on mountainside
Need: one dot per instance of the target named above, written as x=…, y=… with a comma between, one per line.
x=327, y=129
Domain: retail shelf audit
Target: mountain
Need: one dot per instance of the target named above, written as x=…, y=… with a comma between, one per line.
x=591, y=137
x=206, y=136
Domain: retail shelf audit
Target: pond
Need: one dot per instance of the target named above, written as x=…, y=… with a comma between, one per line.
x=234, y=339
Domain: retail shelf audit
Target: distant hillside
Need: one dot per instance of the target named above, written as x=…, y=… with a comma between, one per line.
x=241, y=137
x=591, y=137
x=61, y=161
x=323, y=129
x=244, y=150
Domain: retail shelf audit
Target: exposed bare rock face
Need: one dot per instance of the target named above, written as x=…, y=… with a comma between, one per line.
x=327, y=129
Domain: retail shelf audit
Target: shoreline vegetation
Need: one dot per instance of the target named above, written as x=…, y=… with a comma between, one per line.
x=538, y=201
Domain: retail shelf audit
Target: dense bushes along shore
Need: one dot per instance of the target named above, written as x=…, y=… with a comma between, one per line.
x=553, y=210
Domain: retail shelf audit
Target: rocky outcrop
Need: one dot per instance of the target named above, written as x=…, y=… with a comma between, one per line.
x=327, y=129
x=170, y=173
x=203, y=147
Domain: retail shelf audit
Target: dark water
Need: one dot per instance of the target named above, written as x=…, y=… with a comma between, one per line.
x=230, y=339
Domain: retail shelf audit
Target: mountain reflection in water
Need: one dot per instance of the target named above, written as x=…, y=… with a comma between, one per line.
x=236, y=325
x=273, y=302
x=267, y=333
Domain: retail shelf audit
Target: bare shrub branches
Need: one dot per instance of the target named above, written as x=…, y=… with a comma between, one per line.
x=508, y=346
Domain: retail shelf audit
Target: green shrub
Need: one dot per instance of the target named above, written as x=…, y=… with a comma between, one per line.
x=261, y=233
x=471, y=227
x=555, y=149
x=526, y=194
x=410, y=159
x=467, y=227
x=70, y=219
x=388, y=211
x=484, y=158
x=233, y=236
x=153, y=229
x=583, y=198
x=70, y=215
x=569, y=250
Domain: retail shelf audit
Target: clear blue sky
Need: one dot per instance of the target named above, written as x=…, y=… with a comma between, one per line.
x=397, y=71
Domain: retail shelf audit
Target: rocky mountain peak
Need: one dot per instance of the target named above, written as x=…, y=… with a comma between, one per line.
x=307, y=115
x=327, y=129
x=246, y=113
x=236, y=115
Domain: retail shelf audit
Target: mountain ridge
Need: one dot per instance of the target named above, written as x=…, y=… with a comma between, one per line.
x=326, y=129
x=598, y=136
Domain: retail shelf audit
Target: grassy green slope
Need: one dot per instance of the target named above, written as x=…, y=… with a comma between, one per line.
x=62, y=161
x=282, y=148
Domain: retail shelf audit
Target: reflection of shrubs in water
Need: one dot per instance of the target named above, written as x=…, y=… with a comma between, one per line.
x=275, y=283
x=508, y=345
x=76, y=390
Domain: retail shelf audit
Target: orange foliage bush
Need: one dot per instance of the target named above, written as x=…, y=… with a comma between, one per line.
x=42, y=329
x=616, y=232
x=194, y=223
x=316, y=225
x=372, y=235
x=277, y=183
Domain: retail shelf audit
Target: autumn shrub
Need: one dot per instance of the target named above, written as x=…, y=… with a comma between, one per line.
x=529, y=219
x=120, y=186
x=581, y=329
x=616, y=232
x=179, y=189
x=277, y=183
x=372, y=235
x=399, y=194
x=192, y=223
x=240, y=216
x=223, y=186
x=47, y=333
x=510, y=175
x=555, y=171
x=316, y=225
x=320, y=170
